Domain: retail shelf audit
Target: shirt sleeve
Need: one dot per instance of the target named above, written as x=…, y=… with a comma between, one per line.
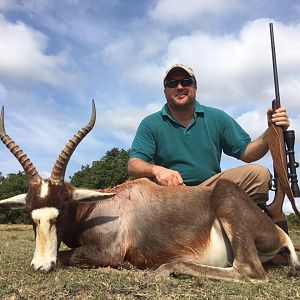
x=234, y=138
x=144, y=145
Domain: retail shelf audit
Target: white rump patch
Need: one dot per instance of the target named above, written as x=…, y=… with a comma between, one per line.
x=45, y=253
x=216, y=253
x=219, y=253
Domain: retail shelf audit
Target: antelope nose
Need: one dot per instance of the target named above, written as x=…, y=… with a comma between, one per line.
x=44, y=268
x=52, y=266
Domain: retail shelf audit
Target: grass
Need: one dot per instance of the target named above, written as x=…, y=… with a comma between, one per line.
x=17, y=281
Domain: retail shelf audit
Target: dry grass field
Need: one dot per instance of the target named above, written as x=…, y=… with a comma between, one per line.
x=17, y=281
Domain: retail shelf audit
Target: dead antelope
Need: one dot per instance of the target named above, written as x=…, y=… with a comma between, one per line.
x=216, y=233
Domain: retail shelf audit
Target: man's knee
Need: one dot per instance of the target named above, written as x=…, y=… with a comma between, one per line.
x=260, y=183
x=260, y=173
x=252, y=178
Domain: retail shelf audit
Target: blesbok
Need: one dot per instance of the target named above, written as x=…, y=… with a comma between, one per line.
x=217, y=233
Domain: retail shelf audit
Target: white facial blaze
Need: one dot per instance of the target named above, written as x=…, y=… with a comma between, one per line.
x=44, y=189
x=45, y=253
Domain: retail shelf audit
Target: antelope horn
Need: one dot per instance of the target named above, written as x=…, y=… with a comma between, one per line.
x=31, y=172
x=59, y=169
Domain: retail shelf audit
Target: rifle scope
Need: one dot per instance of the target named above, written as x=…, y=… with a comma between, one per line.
x=289, y=138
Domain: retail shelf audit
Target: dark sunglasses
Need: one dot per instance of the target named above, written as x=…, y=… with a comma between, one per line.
x=172, y=83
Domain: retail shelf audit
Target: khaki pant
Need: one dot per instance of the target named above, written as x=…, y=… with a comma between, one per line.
x=252, y=178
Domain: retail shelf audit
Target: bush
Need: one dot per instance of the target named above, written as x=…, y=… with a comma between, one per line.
x=12, y=185
x=109, y=171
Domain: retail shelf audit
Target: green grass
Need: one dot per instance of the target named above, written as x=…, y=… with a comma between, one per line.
x=17, y=281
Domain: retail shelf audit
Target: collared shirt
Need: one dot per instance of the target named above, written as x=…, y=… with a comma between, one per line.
x=194, y=151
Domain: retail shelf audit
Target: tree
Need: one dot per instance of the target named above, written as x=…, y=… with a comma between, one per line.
x=109, y=171
x=12, y=185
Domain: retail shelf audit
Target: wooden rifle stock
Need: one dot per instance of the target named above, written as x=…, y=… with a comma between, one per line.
x=278, y=152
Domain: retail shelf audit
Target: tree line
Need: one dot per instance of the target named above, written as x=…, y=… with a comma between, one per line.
x=108, y=171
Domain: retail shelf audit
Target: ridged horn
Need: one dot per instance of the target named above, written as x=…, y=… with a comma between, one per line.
x=31, y=172
x=59, y=169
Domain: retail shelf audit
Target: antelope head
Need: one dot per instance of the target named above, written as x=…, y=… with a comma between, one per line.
x=47, y=199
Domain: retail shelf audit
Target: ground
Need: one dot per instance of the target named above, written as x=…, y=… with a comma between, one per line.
x=18, y=282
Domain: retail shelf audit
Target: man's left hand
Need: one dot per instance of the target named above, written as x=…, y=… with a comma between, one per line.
x=280, y=117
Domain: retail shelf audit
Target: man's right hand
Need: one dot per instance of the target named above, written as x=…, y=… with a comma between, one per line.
x=139, y=168
x=167, y=177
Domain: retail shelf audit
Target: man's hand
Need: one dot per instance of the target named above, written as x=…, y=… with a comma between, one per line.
x=167, y=177
x=279, y=117
x=139, y=168
x=259, y=147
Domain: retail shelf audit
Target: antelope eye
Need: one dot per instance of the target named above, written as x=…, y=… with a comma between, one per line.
x=52, y=221
x=36, y=221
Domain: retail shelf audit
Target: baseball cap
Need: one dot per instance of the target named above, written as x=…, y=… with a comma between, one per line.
x=187, y=69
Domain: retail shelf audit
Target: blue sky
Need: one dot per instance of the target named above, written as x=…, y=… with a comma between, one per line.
x=55, y=56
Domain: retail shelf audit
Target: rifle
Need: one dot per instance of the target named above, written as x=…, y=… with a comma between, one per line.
x=281, y=144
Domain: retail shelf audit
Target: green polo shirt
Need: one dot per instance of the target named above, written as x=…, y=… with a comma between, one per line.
x=195, y=151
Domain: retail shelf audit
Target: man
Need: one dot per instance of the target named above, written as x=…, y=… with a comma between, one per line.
x=183, y=143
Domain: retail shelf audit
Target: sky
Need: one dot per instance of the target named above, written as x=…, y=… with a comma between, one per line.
x=56, y=56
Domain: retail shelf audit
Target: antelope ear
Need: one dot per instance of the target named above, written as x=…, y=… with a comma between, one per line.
x=16, y=202
x=90, y=196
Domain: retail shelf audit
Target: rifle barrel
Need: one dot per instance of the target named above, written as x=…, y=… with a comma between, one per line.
x=275, y=73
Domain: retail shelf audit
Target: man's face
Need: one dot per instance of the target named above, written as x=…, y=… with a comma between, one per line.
x=180, y=96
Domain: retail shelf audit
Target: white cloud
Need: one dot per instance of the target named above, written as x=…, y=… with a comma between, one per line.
x=125, y=117
x=8, y=4
x=3, y=92
x=149, y=76
x=119, y=52
x=232, y=69
x=254, y=122
x=28, y=5
x=24, y=56
x=289, y=91
x=228, y=67
x=169, y=12
x=295, y=125
x=134, y=51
